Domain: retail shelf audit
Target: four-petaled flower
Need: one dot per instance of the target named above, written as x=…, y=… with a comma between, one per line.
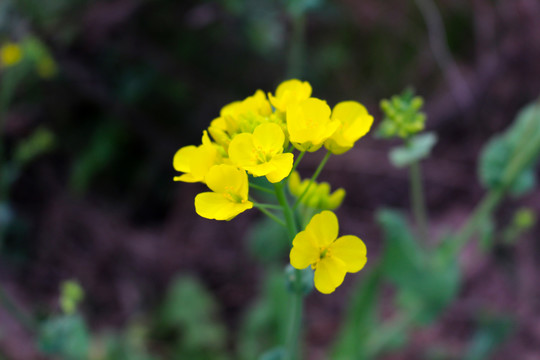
x=329, y=256
x=309, y=124
x=195, y=161
x=229, y=196
x=354, y=121
x=261, y=153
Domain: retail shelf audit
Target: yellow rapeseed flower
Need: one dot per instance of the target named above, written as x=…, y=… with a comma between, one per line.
x=290, y=92
x=309, y=124
x=229, y=196
x=10, y=54
x=261, y=153
x=331, y=258
x=318, y=195
x=354, y=121
x=195, y=161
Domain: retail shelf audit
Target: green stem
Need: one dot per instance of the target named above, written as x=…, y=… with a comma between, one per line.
x=270, y=215
x=297, y=161
x=11, y=306
x=297, y=301
x=261, y=188
x=313, y=178
x=418, y=201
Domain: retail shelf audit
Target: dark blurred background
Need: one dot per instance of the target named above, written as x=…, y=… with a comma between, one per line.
x=134, y=80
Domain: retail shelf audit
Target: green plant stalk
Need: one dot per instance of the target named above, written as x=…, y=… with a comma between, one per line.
x=418, y=201
x=261, y=188
x=18, y=313
x=313, y=178
x=297, y=161
x=270, y=215
x=297, y=301
x=492, y=199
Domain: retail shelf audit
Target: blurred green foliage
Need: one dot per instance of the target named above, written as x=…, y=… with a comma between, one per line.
x=498, y=154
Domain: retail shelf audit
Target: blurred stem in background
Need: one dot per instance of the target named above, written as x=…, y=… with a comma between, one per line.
x=418, y=201
x=16, y=311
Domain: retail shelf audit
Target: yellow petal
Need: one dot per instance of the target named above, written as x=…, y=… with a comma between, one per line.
x=294, y=184
x=228, y=179
x=351, y=250
x=242, y=151
x=269, y=138
x=335, y=199
x=305, y=251
x=182, y=158
x=283, y=164
x=329, y=274
x=216, y=206
x=324, y=228
x=290, y=92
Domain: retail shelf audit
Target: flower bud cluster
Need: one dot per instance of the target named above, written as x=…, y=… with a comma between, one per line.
x=403, y=116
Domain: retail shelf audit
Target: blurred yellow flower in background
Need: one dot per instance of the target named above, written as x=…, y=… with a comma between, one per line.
x=10, y=54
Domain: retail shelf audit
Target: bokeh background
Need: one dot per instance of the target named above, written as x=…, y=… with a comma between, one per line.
x=125, y=83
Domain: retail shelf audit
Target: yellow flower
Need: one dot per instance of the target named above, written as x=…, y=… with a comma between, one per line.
x=261, y=153
x=229, y=196
x=195, y=161
x=331, y=258
x=318, y=195
x=354, y=121
x=309, y=124
x=290, y=92
x=10, y=54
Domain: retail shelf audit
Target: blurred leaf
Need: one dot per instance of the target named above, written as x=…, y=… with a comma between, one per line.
x=101, y=152
x=493, y=331
x=361, y=318
x=268, y=241
x=41, y=141
x=191, y=310
x=426, y=282
x=265, y=322
x=274, y=354
x=65, y=336
x=502, y=149
x=418, y=148
x=306, y=279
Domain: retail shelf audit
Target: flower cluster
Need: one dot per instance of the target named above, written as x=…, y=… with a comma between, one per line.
x=257, y=138
x=257, y=135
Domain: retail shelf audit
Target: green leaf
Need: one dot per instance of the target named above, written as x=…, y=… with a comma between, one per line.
x=190, y=308
x=492, y=332
x=65, y=336
x=306, y=279
x=265, y=322
x=418, y=148
x=41, y=141
x=499, y=153
x=426, y=282
x=360, y=321
x=268, y=241
x=274, y=354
